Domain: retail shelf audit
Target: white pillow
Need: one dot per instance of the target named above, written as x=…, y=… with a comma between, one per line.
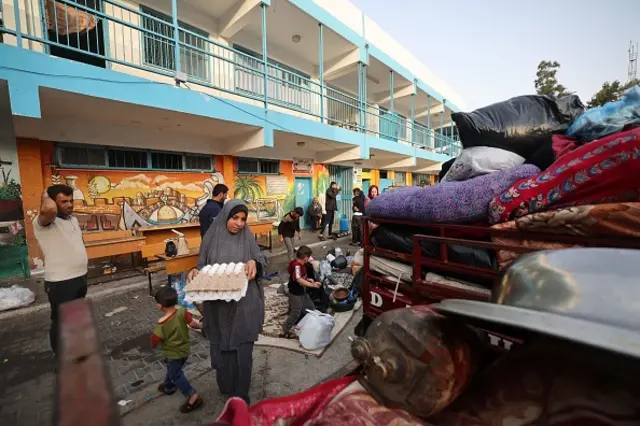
x=481, y=160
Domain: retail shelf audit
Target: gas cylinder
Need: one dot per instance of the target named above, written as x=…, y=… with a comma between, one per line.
x=344, y=224
x=416, y=359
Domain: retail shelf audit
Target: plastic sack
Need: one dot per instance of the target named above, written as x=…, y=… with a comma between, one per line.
x=611, y=118
x=178, y=282
x=314, y=330
x=15, y=297
x=481, y=160
x=445, y=168
x=519, y=125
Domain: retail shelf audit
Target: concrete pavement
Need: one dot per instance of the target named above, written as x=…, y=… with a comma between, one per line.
x=125, y=314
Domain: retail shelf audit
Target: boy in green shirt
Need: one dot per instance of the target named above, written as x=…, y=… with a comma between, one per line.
x=172, y=332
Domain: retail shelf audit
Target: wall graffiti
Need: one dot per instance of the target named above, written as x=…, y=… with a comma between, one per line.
x=111, y=200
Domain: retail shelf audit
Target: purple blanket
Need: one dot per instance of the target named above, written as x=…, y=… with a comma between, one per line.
x=448, y=202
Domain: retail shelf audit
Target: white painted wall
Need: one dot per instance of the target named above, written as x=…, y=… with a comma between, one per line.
x=352, y=17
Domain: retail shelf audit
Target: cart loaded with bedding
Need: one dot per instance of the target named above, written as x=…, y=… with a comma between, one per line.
x=505, y=294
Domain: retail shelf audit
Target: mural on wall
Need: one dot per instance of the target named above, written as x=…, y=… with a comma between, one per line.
x=112, y=200
x=13, y=242
x=269, y=197
x=320, y=182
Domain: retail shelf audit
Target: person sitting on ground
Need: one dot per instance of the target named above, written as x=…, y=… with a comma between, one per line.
x=213, y=207
x=315, y=214
x=289, y=225
x=356, y=220
x=299, y=300
x=171, y=331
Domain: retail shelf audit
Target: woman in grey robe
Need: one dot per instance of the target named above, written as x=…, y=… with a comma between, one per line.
x=233, y=327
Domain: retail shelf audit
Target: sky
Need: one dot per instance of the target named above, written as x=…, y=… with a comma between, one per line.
x=489, y=50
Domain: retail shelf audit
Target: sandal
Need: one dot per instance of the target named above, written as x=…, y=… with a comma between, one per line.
x=188, y=407
x=163, y=390
x=287, y=335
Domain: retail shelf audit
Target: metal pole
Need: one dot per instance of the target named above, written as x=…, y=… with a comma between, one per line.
x=360, y=86
x=321, y=69
x=429, y=130
x=16, y=14
x=364, y=98
x=176, y=36
x=413, y=114
x=264, y=53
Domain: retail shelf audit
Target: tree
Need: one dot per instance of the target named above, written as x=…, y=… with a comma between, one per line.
x=546, y=82
x=247, y=188
x=610, y=92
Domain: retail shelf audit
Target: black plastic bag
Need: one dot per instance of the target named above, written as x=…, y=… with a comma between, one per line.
x=445, y=168
x=520, y=124
x=339, y=262
x=170, y=249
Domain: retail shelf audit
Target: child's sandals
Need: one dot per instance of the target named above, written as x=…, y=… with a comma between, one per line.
x=163, y=390
x=188, y=407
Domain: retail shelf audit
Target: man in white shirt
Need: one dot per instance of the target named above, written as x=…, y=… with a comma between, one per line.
x=65, y=257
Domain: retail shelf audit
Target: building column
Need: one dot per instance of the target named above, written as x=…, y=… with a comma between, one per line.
x=360, y=85
x=391, y=91
x=321, y=68
x=413, y=113
x=16, y=15
x=176, y=37
x=264, y=53
x=364, y=102
x=429, y=130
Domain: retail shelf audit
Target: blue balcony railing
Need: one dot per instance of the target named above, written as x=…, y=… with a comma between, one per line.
x=143, y=42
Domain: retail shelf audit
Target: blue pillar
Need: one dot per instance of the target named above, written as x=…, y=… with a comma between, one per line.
x=176, y=35
x=16, y=14
x=429, y=130
x=364, y=102
x=321, y=69
x=264, y=54
x=413, y=113
x=360, y=91
x=442, y=140
x=391, y=91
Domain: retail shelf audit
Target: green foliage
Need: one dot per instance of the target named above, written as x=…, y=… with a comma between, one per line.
x=10, y=190
x=610, y=92
x=289, y=203
x=322, y=184
x=20, y=239
x=546, y=82
x=247, y=188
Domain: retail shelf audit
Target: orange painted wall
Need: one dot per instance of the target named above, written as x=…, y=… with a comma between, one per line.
x=31, y=166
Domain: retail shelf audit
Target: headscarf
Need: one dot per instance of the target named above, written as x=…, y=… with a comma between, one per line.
x=371, y=197
x=221, y=246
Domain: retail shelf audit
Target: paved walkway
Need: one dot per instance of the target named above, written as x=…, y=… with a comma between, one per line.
x=26, y=363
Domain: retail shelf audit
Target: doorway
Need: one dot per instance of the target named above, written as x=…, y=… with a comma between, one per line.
x=304, y=197
x=366, y=184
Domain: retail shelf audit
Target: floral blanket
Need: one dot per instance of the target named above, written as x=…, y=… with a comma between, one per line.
x=602, y=171
x=602, y=220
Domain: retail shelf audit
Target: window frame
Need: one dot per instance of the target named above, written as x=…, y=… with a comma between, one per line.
x=259, y=161
x=154, y=14
x=107, y=166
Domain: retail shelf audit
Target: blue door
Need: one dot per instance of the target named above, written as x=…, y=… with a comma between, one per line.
x=304, y=197
x=384, y=184
x=366, y=183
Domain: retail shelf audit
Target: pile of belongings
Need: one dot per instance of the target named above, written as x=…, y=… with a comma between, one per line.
x=530, y=164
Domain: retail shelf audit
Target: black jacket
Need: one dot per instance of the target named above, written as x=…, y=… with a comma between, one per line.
x=288, y=226
x=314, y=210
x=359, y=203
x=330, y=203
x=208, y=213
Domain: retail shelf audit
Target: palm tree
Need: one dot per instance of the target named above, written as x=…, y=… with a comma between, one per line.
x=247, y=188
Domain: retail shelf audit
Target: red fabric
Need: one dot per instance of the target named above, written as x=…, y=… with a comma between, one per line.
x=603, y=171
x=298, y=408
x=562, y=145
x=188, y=317
x=155, y=340
x=297, y=270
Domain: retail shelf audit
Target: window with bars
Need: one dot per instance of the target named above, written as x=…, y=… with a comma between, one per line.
x=82, y=156
x=258, y=166
x=384, y=174
x=115, y=158
x=285, y=85
x=159, y=45
x=399, y=178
